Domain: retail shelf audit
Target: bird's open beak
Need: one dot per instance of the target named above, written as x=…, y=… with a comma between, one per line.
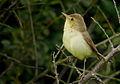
x=67, y=16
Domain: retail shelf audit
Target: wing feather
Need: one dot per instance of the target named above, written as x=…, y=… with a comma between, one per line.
x=89, y=40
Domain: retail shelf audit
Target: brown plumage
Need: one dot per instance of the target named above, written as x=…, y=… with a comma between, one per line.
x=76, y=39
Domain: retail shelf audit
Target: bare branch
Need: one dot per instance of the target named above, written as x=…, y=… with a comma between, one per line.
x=33, y=37
x=116, y=10
x=99, y=79
x=100, y=64
x=17, y=61
x=59, y=49
x=104, y=32
x=13, y=4
x=80, y=74
x=111, y=76
x=55, y=66
x=9, y=67
x=44, y=72
x=102, y=42
x=105, y=17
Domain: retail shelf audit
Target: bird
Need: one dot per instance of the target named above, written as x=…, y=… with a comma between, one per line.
x=76, y=38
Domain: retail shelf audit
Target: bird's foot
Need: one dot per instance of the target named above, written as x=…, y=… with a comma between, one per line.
x=82, y=76
x=70, y=59
x=101, y=56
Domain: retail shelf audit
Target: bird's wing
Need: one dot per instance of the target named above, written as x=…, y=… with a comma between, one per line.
x=92, y=45
x=89, y=40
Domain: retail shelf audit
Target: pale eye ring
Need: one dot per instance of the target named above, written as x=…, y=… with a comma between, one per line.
x=72, y=19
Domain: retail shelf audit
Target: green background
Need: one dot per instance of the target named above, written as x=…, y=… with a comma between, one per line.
x=33, y=28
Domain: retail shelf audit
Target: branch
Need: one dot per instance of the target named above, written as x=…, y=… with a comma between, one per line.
x=112, y=76
x=44, y=72
x=105, y=17
x=100, y=64
x=5, y=71
x=104, y=32
x=116, y=10
x=13, y=4
x=55, y=66
x=17, y=61
x=106, y=40
x=33, y=37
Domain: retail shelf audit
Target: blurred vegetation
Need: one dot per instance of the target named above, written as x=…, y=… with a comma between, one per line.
x=31, y=29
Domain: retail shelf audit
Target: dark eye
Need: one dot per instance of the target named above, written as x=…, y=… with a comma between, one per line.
x=72, y=19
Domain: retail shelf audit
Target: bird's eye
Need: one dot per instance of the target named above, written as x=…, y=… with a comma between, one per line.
x=72, y=19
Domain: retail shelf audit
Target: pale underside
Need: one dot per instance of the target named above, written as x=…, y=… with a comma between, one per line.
x=75, y=43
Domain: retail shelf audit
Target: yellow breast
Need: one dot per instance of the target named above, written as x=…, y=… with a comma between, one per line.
x=74, y=42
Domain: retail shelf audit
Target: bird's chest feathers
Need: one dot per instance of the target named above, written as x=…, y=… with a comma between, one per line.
x=73, y=38
x=74, y=42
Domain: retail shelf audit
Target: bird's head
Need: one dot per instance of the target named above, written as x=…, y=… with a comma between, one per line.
x=75, y=21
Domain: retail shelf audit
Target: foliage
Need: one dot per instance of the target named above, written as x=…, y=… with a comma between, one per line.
x=18, y=50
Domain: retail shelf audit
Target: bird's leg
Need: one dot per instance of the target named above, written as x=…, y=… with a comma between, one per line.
x=70, y=58
x=83, y=74
x=101, y=56
x=84, y=67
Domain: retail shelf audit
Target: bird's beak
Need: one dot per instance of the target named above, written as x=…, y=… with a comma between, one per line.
x=67, y=16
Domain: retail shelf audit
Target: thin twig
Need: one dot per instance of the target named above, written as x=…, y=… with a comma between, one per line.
x=104, y=32
x=55, y=66
x=65, y=69
x=13, y=4
x=8, y=26
x=44, y=72
x=110, y=26
x=36, y=77
x=59, y=49
x=70, y=75
x=71, y=71
x=6, y=10
x=99, y=79
x=100, y=64
x=70, y=61
x=20, y=23
x=9, y=67
x=116, y=11
x=57, y=18
x=103, y=76
x=92, y=4
x=103, y=42
x=33, y=37
x=17, y=61
x=73, y=64
x=76, y=69
x=62, y=6
x=54, y=78
x=21, y=7
x=111, y=76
